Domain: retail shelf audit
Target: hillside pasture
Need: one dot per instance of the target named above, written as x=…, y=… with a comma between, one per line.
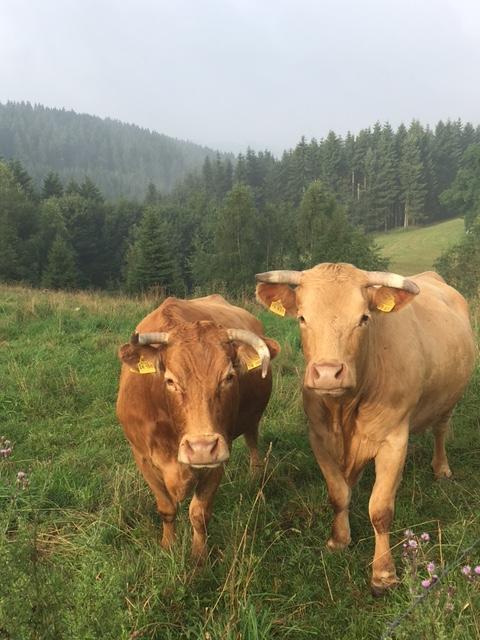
x=79, y=550
x=415, y=250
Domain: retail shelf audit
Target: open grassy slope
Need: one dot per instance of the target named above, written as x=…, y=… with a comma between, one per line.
x=415, y=250
x=79, y=553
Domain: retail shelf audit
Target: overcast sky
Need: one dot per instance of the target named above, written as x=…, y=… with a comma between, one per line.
x=234, y=73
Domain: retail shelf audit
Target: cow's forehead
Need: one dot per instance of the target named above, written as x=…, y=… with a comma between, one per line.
x=337, y=288
x=198, y=346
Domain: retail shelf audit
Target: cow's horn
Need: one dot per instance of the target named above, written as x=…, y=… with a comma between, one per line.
x=254, y=341
x=156, y=337
x=280, y=277
x=386, y=279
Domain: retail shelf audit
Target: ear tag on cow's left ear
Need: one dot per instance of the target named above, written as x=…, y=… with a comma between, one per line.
x=253, y=363
x=146, y=366
x=277, y=307
x=387, y=304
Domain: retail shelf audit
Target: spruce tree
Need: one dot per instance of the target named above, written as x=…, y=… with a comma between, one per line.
x=412, y=181
x=236, y=242
x=52, y=186
x=150, y=262
x=61, y=270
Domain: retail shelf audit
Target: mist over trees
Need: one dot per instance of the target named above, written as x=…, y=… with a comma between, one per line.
x=123, y=158
x=231, y=219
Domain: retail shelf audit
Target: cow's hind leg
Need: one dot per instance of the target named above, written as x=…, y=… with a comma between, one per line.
x=440, y=465
x=201, y=510
x=389, y=463
x=166, y=507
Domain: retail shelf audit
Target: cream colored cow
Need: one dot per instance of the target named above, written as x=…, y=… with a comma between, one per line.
x=385, y=355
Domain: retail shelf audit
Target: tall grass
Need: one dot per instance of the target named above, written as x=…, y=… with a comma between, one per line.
x=79, y=552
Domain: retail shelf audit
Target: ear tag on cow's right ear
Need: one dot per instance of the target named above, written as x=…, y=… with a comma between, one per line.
x=146, y=366
x=253, y=363
x=277, y=307
x=387, y=304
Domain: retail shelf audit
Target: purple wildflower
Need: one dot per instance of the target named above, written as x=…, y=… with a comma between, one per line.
x=425, y=537
x=413, y=544
x=431, y=568
x=426, y=583
x=477, y=570
x=408, y=533
x=467, y=570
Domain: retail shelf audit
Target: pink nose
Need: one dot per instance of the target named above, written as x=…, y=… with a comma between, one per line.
x=326, y=375
x=203, y=450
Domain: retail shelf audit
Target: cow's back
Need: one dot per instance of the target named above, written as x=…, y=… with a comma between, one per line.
x=213, y=308
x=438, y=323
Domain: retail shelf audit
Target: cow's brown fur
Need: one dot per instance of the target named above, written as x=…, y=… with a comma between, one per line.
x=202, y=400
x=405, y=372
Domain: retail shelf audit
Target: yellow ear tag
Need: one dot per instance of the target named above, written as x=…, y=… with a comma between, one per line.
x=277, y=307
x=387, y=305
x=253, y=363
x=146, y=366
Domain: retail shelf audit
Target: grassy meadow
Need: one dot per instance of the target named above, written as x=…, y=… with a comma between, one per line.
x=415, y=250
x=79, y=552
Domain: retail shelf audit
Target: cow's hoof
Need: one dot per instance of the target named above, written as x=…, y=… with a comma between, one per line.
x=256, y=470
x=337, y=545
x=382, y=587
x=444, y=473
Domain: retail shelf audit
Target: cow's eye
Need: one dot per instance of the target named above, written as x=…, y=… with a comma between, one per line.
x=229, y=377
x=363, y=320
x=170, y=383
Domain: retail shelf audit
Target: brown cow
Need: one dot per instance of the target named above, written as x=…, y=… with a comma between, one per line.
x=195, y=375
x=384, y=355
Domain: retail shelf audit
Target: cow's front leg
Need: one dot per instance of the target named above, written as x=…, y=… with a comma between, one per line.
x=339, y=491
x=201, y=509
x=166, y=506
x=389, y=463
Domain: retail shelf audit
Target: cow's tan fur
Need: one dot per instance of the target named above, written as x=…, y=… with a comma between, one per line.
x=407, y=368
x=154, y=420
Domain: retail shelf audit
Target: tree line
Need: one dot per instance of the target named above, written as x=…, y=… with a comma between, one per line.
x=69, y=236
x=222, y=224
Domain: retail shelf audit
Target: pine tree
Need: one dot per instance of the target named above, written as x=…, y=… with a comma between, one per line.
x=61, y=270
x=52, y=186
x=412, y=181
x=149, y=262
x=236, y=238
x=463, y=197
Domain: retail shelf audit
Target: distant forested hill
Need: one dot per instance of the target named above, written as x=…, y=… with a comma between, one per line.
x=121, y=158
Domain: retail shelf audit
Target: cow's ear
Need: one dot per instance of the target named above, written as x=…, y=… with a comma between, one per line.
x=388, y=299
x=279, y=298
x=273, y=347
x=132, y=354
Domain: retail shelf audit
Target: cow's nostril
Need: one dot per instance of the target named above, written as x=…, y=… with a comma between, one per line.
x=339, y=373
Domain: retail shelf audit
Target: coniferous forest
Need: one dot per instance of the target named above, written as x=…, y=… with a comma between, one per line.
x=230, y=218
x=123, y=158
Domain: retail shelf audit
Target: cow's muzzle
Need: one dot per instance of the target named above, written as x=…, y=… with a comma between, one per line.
x=206, y=450
x=328, y=376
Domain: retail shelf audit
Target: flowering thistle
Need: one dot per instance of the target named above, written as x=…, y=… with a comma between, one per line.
x=5, y=447
x=431, y=568
x=413, y=544
x=408, y=533
x=477, y=570
x=426, y=583
x=467, y=570
x=22, y=479
x=425, y=537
